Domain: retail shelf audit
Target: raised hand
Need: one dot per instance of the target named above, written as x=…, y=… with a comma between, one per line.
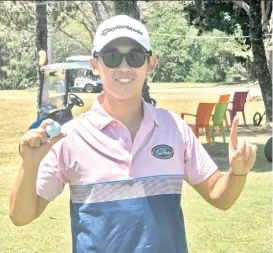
x=242, y=156
x=34, y=145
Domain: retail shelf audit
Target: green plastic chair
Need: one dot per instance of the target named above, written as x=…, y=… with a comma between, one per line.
x=217, y=120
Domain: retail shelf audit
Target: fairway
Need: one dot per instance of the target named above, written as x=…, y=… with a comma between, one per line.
x=245, y=228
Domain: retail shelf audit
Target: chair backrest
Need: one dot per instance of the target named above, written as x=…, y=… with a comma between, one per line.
x=224, y=98
x=203, y=114
x=239, y=100
x=219, y=113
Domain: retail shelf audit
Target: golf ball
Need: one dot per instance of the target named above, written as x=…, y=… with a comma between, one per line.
x=53, y=129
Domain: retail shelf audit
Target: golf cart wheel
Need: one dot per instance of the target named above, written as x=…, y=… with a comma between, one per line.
x=268, y=150
x=89, y=88
x=257, y=118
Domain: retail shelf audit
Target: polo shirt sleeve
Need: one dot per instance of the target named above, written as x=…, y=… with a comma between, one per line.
x=198, y=165
x=52, y=173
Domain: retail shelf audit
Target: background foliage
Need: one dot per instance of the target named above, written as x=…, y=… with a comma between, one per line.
x=183, y=56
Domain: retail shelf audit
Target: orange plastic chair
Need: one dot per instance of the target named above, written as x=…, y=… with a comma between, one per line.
x=202, y=116
x=222, y=99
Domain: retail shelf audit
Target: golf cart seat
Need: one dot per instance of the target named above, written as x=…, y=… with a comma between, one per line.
x=61, y=115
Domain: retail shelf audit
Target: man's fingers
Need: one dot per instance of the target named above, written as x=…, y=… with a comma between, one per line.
x=239, y=152
x=42, y=133
x=253, y=152
x=242, y=145
x=37, y=137
x=43, y=136
x=233, y=132
x=248, y=152
x=38, y=142
x=45, y=123
x=31, y=142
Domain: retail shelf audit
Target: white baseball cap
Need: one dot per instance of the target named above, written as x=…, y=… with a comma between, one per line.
x=118, y=27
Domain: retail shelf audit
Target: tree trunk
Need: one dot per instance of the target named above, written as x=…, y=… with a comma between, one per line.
x=260, y=61
x=41, y=42
x=129, y=8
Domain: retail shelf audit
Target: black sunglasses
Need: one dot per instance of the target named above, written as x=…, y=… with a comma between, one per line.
x=113, y=59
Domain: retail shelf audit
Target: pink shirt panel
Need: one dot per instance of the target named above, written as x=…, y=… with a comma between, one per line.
x=99, y=149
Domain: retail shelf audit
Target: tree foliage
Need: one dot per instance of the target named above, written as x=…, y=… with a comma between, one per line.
x=73, y=24
x=183, y=56
x=129, y=8
x=17, y=62
x=253, y=16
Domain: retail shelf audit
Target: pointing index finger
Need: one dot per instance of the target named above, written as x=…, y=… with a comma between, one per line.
x=233, y=132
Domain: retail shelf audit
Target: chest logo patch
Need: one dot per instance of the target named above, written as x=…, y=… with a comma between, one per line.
x=162, y=151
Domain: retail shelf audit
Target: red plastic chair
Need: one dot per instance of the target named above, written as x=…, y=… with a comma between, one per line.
x=202, y=116
x=238, y=105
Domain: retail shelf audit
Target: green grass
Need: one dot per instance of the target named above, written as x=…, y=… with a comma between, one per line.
x=49, y=233
x=180, y=85
x=245, y=228
x=195, y=85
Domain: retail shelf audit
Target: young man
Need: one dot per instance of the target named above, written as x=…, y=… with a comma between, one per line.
x=125, y=161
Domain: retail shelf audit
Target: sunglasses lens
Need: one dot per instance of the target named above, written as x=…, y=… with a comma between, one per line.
x=135, y=59
x=112, y=59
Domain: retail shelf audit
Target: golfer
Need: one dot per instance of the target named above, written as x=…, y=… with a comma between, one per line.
x=125, y=161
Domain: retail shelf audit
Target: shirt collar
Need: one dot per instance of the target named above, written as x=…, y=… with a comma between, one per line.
x=149, y=112
x=100, y=118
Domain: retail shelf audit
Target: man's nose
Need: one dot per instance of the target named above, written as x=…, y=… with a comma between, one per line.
x=124, y=65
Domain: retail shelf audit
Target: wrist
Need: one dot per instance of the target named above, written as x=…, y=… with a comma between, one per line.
x=30, y=165
x=238, y=175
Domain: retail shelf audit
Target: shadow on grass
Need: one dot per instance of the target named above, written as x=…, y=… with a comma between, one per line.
x=254, y=131
x=256, y=135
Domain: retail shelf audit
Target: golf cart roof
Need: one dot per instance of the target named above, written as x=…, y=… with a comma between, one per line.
x=68, y=65
x=79, y=58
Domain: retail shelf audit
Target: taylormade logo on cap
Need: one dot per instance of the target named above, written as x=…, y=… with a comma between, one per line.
x=105, y=31
x=118, y=27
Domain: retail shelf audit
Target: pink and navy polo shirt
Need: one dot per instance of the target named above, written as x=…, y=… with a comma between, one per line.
x=125, y=195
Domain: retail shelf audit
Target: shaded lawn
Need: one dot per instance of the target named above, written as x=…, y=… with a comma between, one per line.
x=246, y=227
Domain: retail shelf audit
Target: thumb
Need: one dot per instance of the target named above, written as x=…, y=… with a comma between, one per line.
x=54, y=140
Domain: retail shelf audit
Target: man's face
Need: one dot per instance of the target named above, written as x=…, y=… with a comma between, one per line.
x=123, y=81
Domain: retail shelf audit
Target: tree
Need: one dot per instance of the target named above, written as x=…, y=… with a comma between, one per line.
x=17, y=60
x=74, y=24
x=181, y=56
x=258, y=49
x=129, y=8
x=41, y=39
x=225, y=15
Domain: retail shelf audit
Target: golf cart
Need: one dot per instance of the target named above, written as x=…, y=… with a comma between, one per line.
x=83, y=80
x=54, y=100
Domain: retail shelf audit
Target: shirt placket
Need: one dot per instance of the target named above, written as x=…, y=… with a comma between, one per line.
x=126, y=143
